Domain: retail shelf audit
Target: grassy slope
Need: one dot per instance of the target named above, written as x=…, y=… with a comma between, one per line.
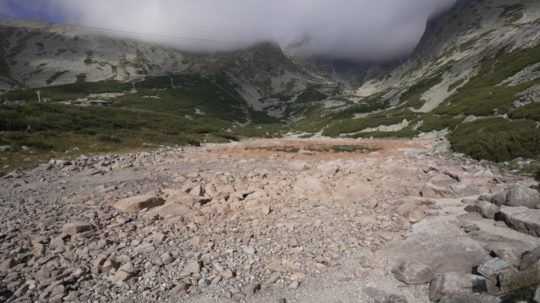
x=155, y=115
x=174, y=117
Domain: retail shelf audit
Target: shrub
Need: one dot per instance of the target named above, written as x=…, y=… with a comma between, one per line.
x=497, y=139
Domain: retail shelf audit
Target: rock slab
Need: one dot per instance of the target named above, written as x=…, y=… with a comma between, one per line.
x=520, y=195
x=522, y=219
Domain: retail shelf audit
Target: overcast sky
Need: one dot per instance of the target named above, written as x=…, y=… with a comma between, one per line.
x=344, y=29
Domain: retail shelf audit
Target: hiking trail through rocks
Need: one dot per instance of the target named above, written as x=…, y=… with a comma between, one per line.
x=268, y=220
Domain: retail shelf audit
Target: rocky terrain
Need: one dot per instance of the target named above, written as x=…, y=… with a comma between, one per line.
x=275, y=220
x=271, y=220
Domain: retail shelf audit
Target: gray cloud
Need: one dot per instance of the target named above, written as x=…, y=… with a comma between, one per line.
x=345, y=29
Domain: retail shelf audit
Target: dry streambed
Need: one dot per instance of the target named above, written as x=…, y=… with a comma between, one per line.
x=270, y=221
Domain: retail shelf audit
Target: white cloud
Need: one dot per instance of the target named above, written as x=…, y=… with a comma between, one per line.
x=358, y=29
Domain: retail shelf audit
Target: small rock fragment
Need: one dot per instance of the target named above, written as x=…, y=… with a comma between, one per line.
x=138, y=203
x=252, y=289
x=74, y=228
x=121, y=276
x=124, y=273
x=166, y=258
x=228, y=274
x=38, y=246
x=193, y=267
x=7, y=265
x=294, y=285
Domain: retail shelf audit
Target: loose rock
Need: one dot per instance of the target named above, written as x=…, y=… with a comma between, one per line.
x=76, y=228
x=137, y=203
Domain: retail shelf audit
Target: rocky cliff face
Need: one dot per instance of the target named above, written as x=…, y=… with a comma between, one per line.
x=456, y=46
x=475, y=74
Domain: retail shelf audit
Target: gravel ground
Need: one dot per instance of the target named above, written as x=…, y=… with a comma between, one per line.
x=277, y=220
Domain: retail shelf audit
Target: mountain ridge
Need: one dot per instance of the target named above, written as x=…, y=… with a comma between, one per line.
x=475, y=75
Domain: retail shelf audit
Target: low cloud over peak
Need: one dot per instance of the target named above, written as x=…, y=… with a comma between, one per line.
x=343, y=29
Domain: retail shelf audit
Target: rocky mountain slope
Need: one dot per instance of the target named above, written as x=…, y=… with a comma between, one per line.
x=476, y=70
x=38, y=55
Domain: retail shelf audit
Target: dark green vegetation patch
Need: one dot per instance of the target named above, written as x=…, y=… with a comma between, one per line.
x=174, y=110
x=497, y=139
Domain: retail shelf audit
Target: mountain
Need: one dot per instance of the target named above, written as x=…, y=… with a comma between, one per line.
x=475, y=74
x=475, y=77
x=38, y=55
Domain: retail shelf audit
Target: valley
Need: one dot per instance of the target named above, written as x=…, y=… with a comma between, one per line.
x=136, y=171
x=479, y=83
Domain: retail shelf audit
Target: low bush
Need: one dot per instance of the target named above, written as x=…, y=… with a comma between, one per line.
x=497, y=139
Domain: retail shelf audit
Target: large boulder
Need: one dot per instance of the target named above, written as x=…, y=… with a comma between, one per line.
x=521, y=195
x=522, y=219
x=138, y=203
x=443, y=254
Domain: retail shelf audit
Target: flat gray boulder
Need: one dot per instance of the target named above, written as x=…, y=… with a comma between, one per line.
x=522, y=219
x=521, y=195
